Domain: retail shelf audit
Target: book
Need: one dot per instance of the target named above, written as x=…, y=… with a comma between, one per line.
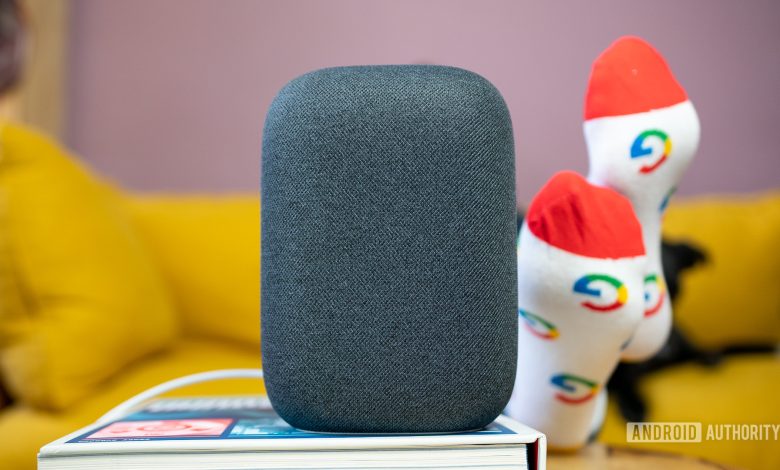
x=243, y=432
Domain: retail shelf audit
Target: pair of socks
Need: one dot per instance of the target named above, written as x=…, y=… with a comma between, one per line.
x=591, y=289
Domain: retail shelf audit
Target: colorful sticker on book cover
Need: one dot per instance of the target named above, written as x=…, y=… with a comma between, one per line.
x=605, y=292
x=655, y=294
x=653, y=145
x=573, y=389
x=538, y=326
x=163, y=428
x=272, y=426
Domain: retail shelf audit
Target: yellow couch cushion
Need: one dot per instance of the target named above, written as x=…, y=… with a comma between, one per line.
x=734, y=299
x=81, y=298
x=208, y=249
x=741, y=390
x=23, y=430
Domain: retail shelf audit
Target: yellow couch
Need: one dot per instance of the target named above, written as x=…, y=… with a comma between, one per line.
x=205, y=250
x=88, y=274
x=733, y=300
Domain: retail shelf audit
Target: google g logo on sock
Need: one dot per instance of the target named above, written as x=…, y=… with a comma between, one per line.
x=538, y=325
x=665, y=201
x=584, y=286
x=639, y=150
x=571, y=385
x=654, y=282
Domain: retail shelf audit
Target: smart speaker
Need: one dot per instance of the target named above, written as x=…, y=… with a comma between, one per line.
x=389, y=295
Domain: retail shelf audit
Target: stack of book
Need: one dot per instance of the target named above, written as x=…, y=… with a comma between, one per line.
x=245, y=433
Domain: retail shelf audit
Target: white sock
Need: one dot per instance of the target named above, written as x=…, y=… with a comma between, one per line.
x=580, y=297
x=642, y=133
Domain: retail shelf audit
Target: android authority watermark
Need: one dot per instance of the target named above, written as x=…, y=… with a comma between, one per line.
x=695, y=432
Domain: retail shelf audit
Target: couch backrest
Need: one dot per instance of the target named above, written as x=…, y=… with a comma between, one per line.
x=208, y=250
x=734, y=298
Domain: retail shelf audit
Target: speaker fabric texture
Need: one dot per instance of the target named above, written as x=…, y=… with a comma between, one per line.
x=389, y=295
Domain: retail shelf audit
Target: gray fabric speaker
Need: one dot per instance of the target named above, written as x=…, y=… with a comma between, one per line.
x=389, y=298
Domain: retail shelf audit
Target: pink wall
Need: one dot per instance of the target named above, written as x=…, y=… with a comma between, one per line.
x=171, y=95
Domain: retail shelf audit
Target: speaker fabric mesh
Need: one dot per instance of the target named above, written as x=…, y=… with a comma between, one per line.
x=389, y=298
